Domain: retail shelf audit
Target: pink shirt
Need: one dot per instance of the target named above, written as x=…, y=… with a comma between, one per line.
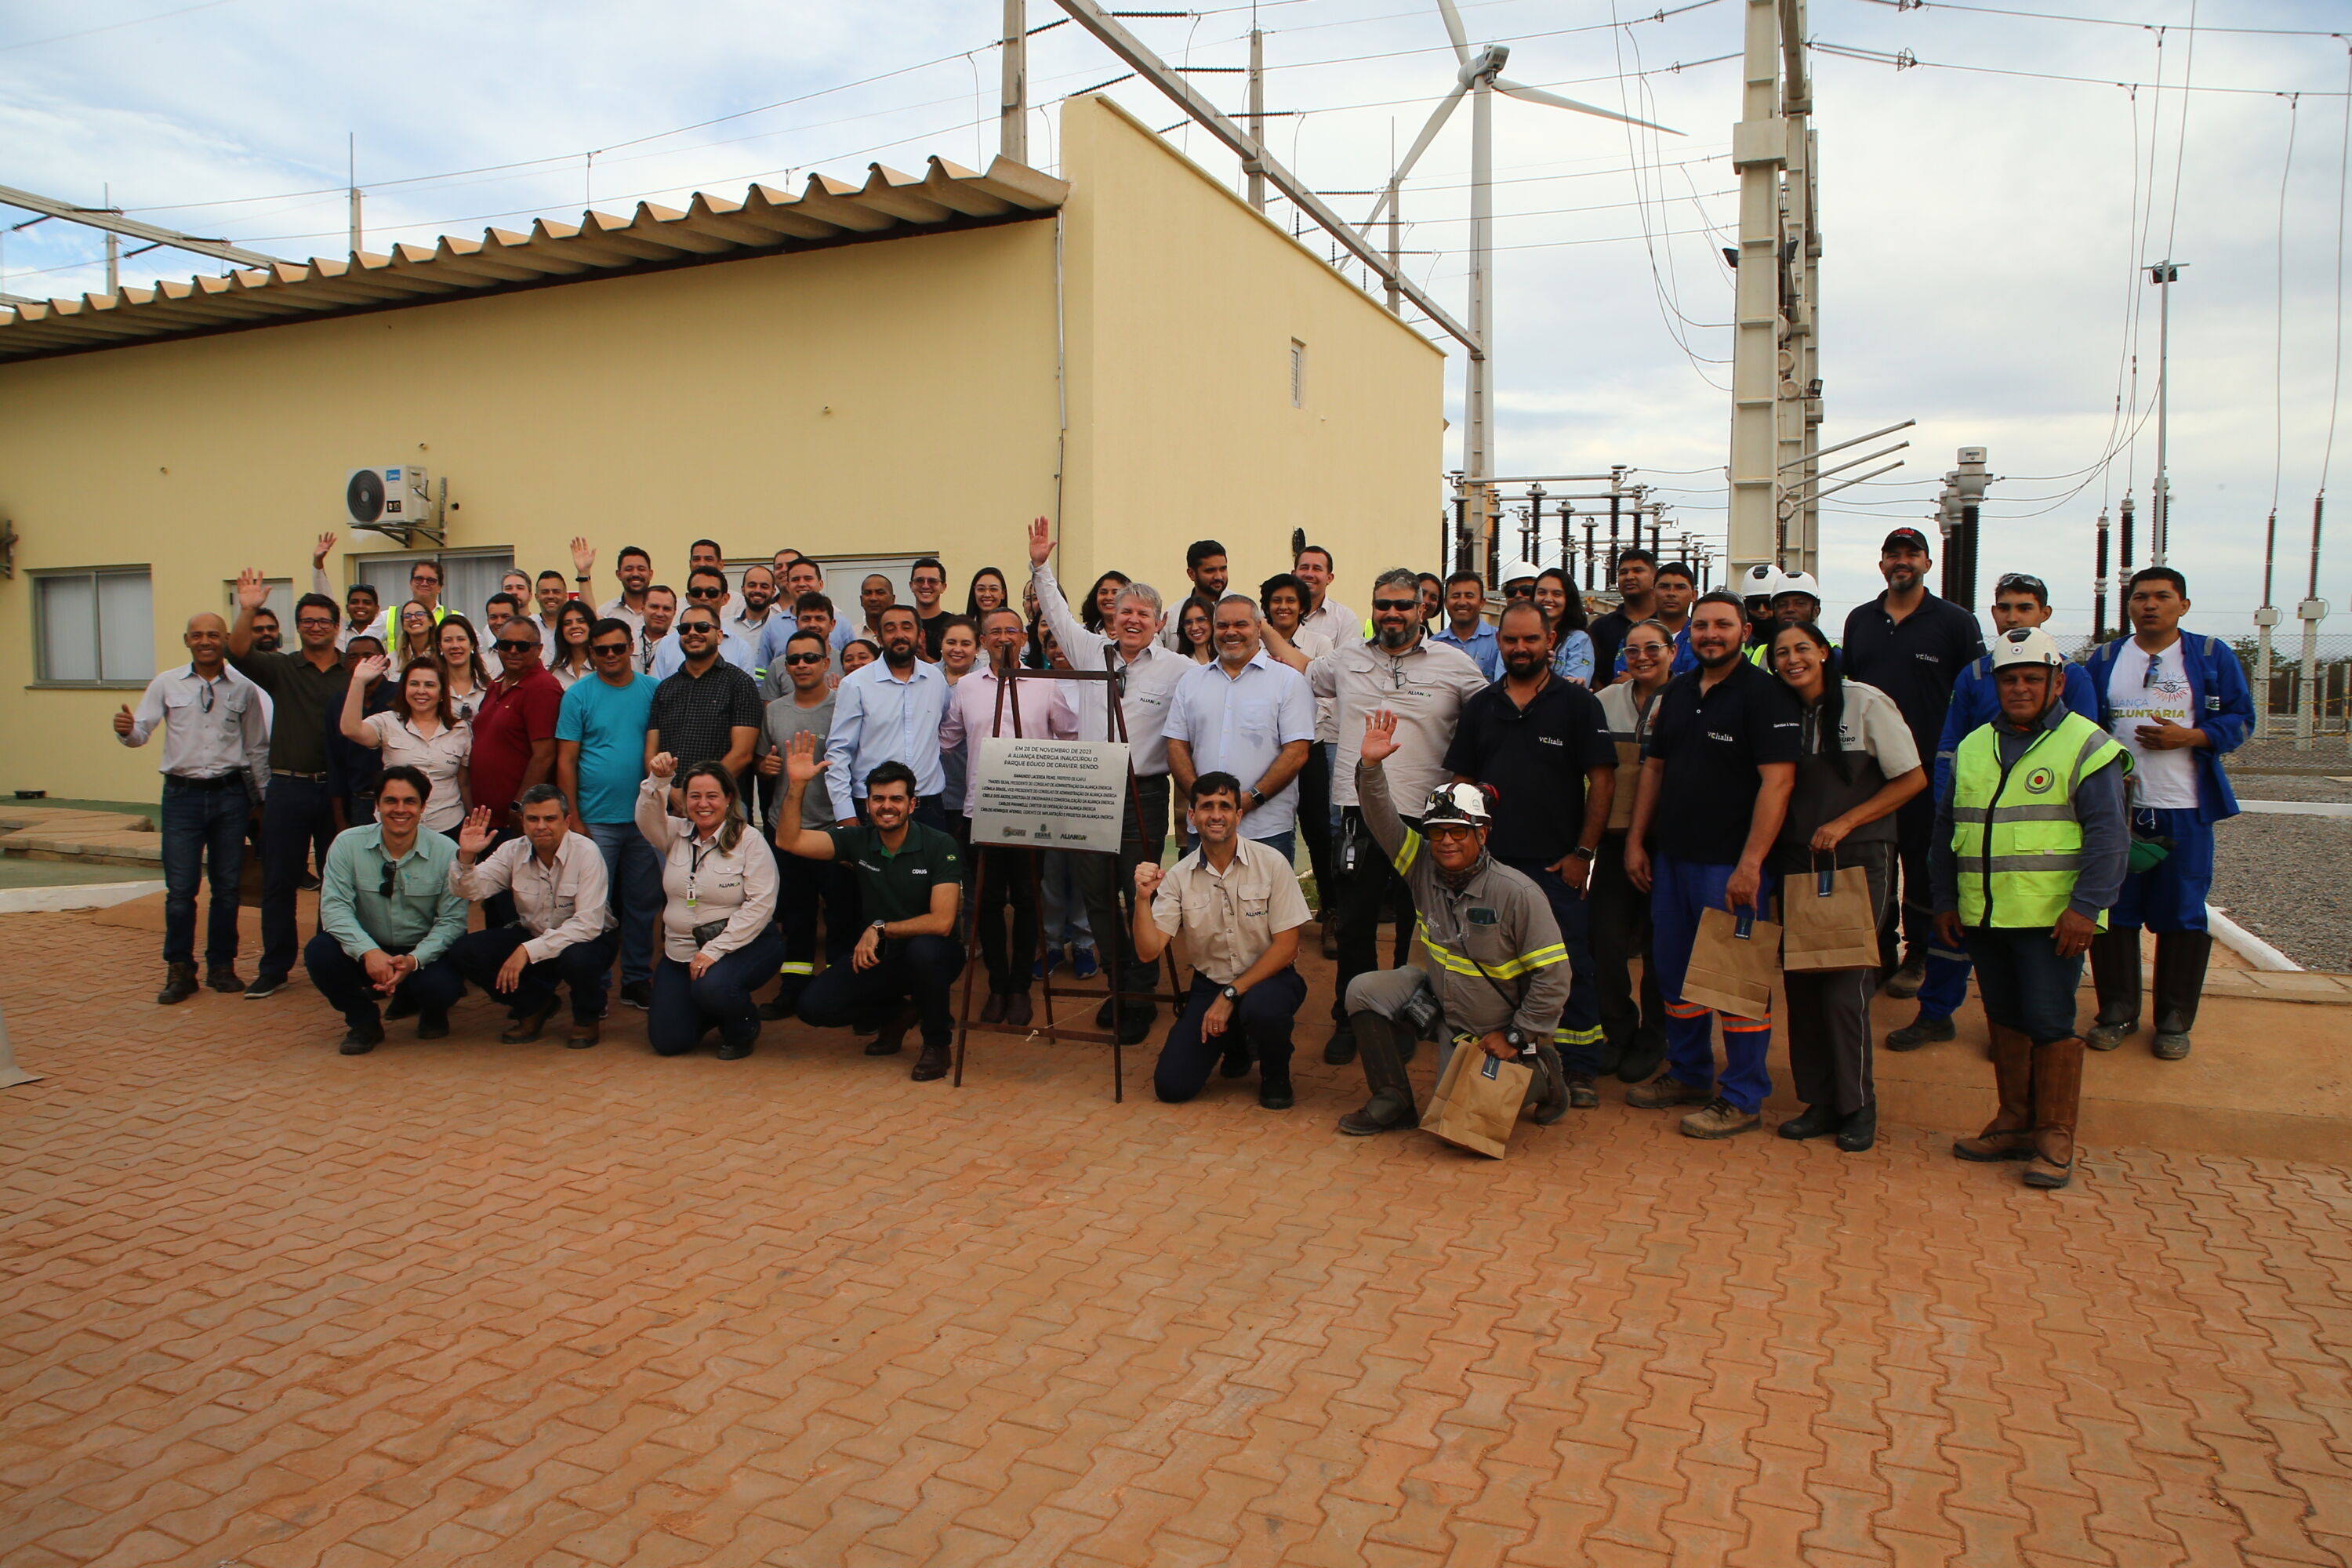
x=1046, y=715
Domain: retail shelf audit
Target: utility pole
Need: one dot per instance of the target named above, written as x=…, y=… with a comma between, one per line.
x=115, y=223
x=113, y=264
x=2266, y=618
x=1257, y=118
x=352, y=152
x=1799, y=394
x=1012, y=111
x=1396, y=196
x=2311, y=612
x=1477, y=439
x=1760, y=146
x=2164, y=274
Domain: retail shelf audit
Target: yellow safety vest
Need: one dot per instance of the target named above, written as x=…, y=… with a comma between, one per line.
x=2013, y=829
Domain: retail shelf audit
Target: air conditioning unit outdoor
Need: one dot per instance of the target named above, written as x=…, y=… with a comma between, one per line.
x=394, y=494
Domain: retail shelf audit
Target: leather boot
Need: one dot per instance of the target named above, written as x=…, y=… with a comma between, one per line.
x=2057, y=1098
x=2180, y=959
x=179, y=985
x=1549, y=1093
x=2114, y=974
x=2010, y=1134
x=1390, y=1106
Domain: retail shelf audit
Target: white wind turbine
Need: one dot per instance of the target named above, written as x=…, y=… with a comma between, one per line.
x=1480, y=78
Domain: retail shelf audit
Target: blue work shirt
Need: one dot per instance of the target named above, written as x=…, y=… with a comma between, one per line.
x=1976, y=702
x=1238, y=725
x=2219, y=699
x=877, y=718
x=1483, y=651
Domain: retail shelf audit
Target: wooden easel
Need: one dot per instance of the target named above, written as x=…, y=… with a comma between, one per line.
x=965, y=1024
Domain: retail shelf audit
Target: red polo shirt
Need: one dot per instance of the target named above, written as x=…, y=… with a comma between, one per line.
x=512, y=717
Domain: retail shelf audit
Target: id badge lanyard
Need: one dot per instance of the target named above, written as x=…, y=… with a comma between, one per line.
x=695, y=856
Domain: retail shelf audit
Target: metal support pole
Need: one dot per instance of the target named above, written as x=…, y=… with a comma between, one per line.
x=2124, y=561
x=1477, y=438
x=2265, y=620
x=1759, y=147
x=1257, y=117
x=2099, y=585
x=351, y=153
x=2311, y=612
x=113, y=264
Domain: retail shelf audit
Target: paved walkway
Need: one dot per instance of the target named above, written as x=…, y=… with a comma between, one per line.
x=517, y=1305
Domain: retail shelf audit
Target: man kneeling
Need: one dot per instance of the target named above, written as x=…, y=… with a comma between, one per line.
x=1491, y=970
x=1236, y=904
x=909, y=880
x=387, y=917
x=567, y=932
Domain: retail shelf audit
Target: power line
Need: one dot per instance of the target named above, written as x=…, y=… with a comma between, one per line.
x=2278, y=320
x=1905, y=61
x=2101, y=21
x=111, y=26
x=2336, y=384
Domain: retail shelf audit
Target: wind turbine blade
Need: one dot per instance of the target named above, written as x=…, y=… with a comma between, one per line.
x=1537, y=95
x=1437, y=119
x=1454, y=30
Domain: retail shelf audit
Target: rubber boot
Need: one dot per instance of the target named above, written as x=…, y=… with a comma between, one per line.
x=2057, y=1099
x=1549, y=1093
x=2010, y=1134
x=2114, y=974
x=2180, y=959
x=1390, y=1106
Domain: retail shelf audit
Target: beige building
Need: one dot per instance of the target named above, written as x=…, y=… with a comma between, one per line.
x=915, y=366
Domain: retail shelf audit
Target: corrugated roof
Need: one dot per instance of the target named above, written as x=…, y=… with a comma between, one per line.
x=765, y=222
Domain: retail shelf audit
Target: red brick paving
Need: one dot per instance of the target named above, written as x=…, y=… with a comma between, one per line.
x=518, y=1304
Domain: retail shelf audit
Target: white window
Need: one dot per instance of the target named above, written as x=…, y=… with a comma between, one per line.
x=94, y=628
x=1297, y=373
x=279, y=602
x=469, y=577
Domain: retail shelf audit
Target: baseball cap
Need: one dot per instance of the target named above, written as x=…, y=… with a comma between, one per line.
x=1902, y=538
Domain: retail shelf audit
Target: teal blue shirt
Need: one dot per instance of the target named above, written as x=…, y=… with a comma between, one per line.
x=610, y=724
x=421, y=914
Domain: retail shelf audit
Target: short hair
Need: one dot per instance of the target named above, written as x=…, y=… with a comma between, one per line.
x=653, y=588
x=637, y=550
x=987, y=616
x=372, y=637
x=1143, y=593
x=1737, y=605
x=1306, y=550
x=933, y=562
x=1403, y=575
x=1677, y=569
x=1430, y=577
x=2162, y=573
x=966, y=622
x=540, y=794
x=367, y=588
x=697, y=610
x=612, y=624
x=432, y=566
x=1465, y=576
x=261, y=610
x=811, y=600
x=811, y=562
x=317, y=602
x=401, y=772
x=1637, y=553
x=758, y=566
x=1200, y=550
x=868, y=644
x=508, y=600
x=805, y=636
x=1281, y=580
x=699, y=543
x=874, y=577
x=891, y=773
x=521, y=625
x=1214, y=782
x=707, y=571
x=550, y=572
x=1242, y=599
x=893, y=608
x=1543, y=622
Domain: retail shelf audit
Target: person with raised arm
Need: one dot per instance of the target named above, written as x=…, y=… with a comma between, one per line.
x=719, y=941
x=564, y=933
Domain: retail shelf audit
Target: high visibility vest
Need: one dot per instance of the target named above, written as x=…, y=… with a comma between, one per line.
x=2013, y=829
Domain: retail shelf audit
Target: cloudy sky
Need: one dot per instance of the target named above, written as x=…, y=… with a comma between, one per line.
x=1984, y=210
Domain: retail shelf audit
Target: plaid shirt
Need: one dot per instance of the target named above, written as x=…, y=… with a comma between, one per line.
x=691, y=717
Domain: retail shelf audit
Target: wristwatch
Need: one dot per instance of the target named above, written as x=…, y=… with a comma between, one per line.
x=878, y=928
x=1255, y=798
x=1582, y=852
x=1516, y=1041
x=1230, y=995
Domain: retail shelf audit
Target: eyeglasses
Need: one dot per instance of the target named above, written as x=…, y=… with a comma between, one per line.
x=314, y=620
x=706, y=592
x=1645, y=649
x=611, y=647
x=804, y=659
x=1406, y=604
x=513, y=644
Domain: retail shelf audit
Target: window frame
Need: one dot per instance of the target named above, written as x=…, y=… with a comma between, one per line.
x=41, y=680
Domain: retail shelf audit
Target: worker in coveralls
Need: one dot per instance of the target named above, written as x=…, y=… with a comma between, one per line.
x=2177, y=704
x=2030, y=851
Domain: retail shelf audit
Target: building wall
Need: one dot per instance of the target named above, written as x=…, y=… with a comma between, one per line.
x=877, y=398
x=1183, y=304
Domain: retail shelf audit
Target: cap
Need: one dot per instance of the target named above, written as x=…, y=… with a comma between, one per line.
x=1458, y=803
x=1799, y=583
x=2025, y=644
x=1902, y=537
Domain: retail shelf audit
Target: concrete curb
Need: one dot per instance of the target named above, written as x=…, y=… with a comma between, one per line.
x=2247, y=946
x=74, y=896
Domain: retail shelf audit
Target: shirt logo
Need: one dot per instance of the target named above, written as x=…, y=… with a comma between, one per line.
x=1550, y=741
x=2040, y=779
x=1482, y=917
x=1718, y=735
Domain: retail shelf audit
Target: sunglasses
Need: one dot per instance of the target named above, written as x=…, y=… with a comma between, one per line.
x=804, y=659
x=391, y=875
x=1644, y=650
x=2019, y=583
x=708, y=628
x=505, y=644
x=609, y=648
x=1378, y=604
x=705, y=593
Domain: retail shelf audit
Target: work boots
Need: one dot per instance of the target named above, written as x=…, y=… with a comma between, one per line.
x=1552, y=1092
x=2180, y=959
x=179, y=985
x=2010, y=1134
x=2057, y=1099
x=1390, y=1106
x=2115, y=976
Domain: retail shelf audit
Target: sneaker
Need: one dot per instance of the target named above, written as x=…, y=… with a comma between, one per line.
x=638, y=993
x=1721, y=1119
x=359, y=1042
x=1084, y=965
x=1919, y=1032
x=1050, y=961
x=1667, y=1091
x=224, y=980
x=265, y=986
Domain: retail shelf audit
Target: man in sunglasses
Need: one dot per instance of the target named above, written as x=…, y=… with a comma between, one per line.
x=706, y=588
x=804, y=705
x=514, y=739
x=2018, y=601
x=708, y=711
x=600, y=760
x=298, y=817
x=1423, y=683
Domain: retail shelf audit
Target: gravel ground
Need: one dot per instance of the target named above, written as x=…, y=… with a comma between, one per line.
x=2328, y=754
x=2287, y=786
x=2288, y=880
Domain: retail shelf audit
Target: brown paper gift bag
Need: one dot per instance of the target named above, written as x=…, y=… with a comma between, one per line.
x=1733, y=963
x=1478, y=1100
x=1827, y=922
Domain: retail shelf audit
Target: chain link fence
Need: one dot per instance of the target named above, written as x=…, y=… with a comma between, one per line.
x=2333, y=683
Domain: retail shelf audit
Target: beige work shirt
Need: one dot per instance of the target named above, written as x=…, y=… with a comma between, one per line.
x=1226, y=920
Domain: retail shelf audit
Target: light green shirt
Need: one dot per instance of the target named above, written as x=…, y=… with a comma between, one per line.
x=421, y=914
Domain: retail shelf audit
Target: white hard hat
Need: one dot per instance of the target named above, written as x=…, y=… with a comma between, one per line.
x=1799, y=583
x=1518, y=571
x=2025, y=644
x=1457, y=803
x=1760, y=581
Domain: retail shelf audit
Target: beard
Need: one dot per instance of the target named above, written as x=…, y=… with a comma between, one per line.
x=1396, y=639
x=1524, y=664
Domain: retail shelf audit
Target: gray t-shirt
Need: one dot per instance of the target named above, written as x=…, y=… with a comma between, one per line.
x=787, y=718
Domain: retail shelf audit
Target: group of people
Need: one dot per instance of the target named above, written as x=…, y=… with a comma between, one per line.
x=712, y=797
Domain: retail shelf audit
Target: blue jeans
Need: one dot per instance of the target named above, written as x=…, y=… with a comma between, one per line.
x=684, y=1008
x=634, y=872
x=1680, y=891
x=200, y=822
x=2023, y=982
